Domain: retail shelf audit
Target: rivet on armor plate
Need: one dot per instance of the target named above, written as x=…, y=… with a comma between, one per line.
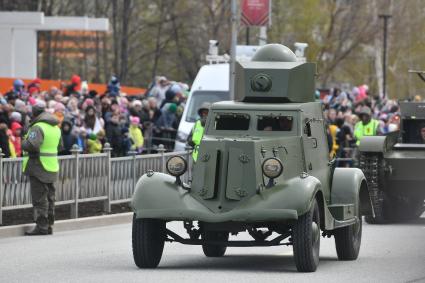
x=205, y=157
x=244, y=158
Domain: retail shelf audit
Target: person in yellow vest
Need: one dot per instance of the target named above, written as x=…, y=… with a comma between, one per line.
x=41, y=165
x=195, y=136
x=367, y=126
x=333, y=130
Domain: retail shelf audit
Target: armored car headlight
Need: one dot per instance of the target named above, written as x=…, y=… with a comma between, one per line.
x=176, y=166
x=272, y=167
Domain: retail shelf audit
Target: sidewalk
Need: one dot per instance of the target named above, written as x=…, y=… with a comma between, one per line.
x=71, y=224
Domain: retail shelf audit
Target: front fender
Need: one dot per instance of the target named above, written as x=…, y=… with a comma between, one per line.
x=295, y=194
x=160, y=191
x=349, y=186
x=158, y=196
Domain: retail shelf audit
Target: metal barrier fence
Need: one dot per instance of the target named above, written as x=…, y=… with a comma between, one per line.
x=93, y=177
x=83, y=178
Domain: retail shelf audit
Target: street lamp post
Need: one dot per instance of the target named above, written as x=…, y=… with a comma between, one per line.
x=384, y=65
x=235, y=19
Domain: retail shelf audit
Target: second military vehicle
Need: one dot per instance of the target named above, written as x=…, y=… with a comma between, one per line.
x=394, y=167
x=262, y=168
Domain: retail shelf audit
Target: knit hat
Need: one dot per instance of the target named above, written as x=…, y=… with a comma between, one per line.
x=38, y=108
x=32, y=100
x=32, y=90
x=59, y=107
x=134, y=120
x=89, y=101
x=15, y=126
x=16, y=116
x=136, y=103
x=75, y=79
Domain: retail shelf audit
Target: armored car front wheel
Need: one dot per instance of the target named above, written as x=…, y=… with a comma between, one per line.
x=306, y=240
x=148, y=242
x=211, y=250
x=348, y=240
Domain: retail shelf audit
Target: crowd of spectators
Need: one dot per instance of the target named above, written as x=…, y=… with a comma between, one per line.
x=90, y=119
x=140, y=123
x=342, y=109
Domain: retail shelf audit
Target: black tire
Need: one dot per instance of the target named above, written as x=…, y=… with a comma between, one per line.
x=148, y=242
x=214, y=250
x=348, y=240
x=306, y=240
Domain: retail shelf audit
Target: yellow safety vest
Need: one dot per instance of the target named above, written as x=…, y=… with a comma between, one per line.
x=198, y=133
x=361, y=130
x=49, y=148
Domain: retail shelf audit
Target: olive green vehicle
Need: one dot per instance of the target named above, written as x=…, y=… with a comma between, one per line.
x=394, y=167
x=262, y=168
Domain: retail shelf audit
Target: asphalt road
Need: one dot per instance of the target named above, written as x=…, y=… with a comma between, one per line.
x=389, y=253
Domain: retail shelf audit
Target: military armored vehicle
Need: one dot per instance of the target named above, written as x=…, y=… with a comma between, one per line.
x=262, y=168
x=394, y=167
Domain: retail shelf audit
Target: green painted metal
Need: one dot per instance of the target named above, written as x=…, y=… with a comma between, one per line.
x=274, y=116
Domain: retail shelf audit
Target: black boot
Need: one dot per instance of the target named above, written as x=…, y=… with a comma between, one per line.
x=51, y=221
x=36, y=231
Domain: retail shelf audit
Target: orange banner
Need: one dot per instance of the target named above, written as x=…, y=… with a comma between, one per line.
x=6, y=85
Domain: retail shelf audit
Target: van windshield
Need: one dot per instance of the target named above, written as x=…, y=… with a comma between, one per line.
x=199, y=97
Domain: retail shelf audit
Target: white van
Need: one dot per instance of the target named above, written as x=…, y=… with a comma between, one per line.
x=210, y=85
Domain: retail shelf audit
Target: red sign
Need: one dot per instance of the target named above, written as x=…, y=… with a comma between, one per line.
x=255, y=12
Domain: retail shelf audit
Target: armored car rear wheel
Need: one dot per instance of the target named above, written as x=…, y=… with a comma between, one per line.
x=214, y=250
x=148, y=242
x=306, y=240
x=348, y=240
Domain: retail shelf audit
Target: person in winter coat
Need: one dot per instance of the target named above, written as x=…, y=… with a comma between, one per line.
x=114, y=136
x=17, y=137
x=168, y=116
x=170, y=96
x=94, y=145
x=136, y=134
x=68, y=138
x=41, y=165
x=11, y=145
x=4, y=140
x=74, y=87
x=126, y=142
x=91, y=122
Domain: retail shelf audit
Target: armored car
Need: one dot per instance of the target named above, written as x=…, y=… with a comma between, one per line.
x=263, y=168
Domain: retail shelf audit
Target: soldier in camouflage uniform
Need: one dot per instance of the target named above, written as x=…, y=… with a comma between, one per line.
x=41, y=165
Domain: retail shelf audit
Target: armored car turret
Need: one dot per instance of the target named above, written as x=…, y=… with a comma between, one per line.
x=262, y=168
